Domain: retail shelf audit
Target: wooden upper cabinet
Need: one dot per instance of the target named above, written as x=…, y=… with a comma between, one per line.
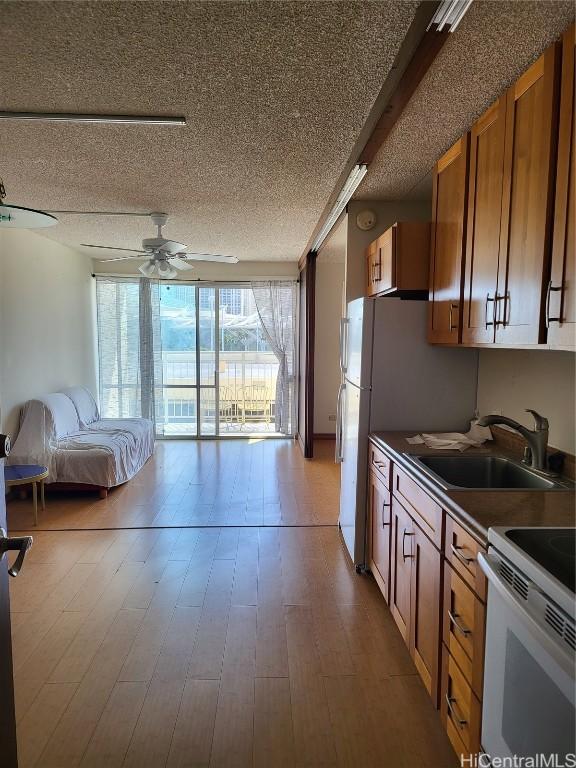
x=527, y=202
x=398, y=260
x=561, y=293
x=483, y=228
x=449, y=198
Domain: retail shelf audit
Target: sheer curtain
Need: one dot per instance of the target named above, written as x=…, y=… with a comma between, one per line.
x=130, y=349
x=276, y=306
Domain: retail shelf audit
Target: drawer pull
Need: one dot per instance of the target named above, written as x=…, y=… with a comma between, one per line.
x=384, y=505
x=378, y=464
x=454, y=620
x=460, y=722
x=457, y=552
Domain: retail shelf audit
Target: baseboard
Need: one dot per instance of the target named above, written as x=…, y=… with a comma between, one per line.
x=324, y=436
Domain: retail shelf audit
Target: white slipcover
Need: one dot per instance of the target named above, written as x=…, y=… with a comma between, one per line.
x=85, y=403
x=107, y=452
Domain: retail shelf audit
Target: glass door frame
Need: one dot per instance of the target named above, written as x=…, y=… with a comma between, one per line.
x=198, y=386
x=217, y=285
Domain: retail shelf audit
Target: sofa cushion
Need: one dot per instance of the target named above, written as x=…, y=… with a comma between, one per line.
x=85, y=403
x=63, y=412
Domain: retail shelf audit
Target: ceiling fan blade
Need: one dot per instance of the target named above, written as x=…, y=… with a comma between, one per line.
x=110, y=248
x=119, y=258
x=175, y=261
x=207, y=257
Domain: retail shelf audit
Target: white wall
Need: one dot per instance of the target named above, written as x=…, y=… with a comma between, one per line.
x=330, y=271
x=387, y=213
x=329, y=287
x=511, y=380
x=243, y=270
x=47, y=338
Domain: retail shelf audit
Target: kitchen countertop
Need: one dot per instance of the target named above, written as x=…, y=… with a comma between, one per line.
x=479, y=510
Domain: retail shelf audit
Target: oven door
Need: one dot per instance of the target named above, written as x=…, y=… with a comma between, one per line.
x=528, y=703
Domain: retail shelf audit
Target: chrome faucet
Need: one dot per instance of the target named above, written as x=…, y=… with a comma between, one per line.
x=537, y=438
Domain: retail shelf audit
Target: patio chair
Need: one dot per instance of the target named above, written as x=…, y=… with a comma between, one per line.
x=255, y=404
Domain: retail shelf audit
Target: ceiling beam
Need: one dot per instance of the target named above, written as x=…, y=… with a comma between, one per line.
x=417, y=52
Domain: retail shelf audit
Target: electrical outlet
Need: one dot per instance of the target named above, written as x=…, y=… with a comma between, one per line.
x=331, y=418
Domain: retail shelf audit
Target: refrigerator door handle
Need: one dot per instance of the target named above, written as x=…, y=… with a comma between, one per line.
x=343, y=351
x=339, y=456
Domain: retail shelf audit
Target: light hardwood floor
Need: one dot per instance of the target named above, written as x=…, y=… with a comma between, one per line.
x=214, y=646
x=226, y=482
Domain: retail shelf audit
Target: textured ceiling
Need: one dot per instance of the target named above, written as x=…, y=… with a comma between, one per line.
x=494, y=44
x=275, y=95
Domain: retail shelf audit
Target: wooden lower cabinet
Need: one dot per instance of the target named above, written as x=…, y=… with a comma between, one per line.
x=460, y=709
x=416, y=595
x=380, y=523
x=426, y=601
x=425, y=563
x=401, y=557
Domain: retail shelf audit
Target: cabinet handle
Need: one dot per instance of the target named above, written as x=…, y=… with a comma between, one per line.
x=379, y=265
x=453, y=306
x=384, y=505
x=454, y=620
x=548, y=292
x=378, y=463
x=460, y=722
x=486, y=323
x=457, y=552
x=404, y=555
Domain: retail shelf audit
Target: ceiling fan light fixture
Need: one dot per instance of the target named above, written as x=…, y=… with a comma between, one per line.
x=147, y=269
x=166, y=270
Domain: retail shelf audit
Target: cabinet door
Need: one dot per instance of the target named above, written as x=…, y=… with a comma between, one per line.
x=385, y=277
x=426, y=598
x=483, y=228
x=402, y=556
x=449, y=202
x=380, y=521
x=525, y=236
x=370, y=269
x=561, y=298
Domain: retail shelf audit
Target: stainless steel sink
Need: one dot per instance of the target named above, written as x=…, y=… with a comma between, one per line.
x=483, y=473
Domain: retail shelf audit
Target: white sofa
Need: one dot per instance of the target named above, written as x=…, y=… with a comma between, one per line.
x=64, y=432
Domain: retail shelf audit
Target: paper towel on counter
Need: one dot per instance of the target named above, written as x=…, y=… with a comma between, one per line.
x=454, y=441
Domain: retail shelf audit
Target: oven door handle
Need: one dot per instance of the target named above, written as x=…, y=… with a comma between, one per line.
x=560, y=654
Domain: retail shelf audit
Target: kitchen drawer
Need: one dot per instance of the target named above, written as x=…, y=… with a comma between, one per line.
x=380, y=463
x=460, y=709
x=425, y=511
x=463, y=627
x=461, y=550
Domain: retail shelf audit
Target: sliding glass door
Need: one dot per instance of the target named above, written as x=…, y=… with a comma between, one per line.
x=219, y=372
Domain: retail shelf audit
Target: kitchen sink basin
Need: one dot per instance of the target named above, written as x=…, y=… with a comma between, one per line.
x=483, y=473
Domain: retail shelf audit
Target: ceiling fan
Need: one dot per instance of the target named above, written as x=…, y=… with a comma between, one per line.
x=165, y=257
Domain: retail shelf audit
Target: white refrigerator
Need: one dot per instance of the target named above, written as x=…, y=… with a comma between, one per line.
x=392, y=379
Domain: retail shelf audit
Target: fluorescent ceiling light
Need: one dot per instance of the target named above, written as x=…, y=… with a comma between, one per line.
x=79, y=118
x=352, y=183
x=449, y=14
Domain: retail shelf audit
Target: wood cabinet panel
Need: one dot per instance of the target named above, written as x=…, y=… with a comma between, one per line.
x=464, y=618
x=380, y=520
x=427, y=513
x=561, y=291
x=426, y=598
x=461, y=551
x=401, y=555
x=449, y=203
x=483, y=228
x=380, y=463
x=460, y=710
x=527, y=200
x=398, y=260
